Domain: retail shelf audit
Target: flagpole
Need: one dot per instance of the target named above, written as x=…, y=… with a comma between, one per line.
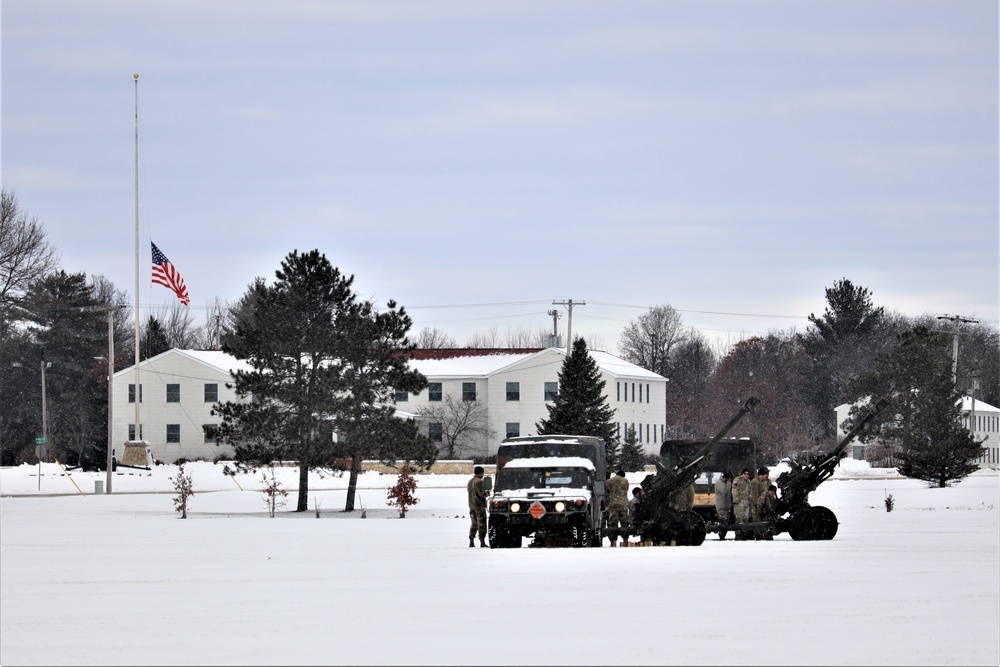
x=138, y=387
x=137, y=454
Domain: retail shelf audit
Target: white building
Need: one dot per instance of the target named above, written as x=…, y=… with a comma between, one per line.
x=985, y=428
x=179, y=388
x=517, y=385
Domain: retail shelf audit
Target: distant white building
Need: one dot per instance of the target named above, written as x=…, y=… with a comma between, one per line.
x=179, y=388
x=981, y=418
x=517, y=386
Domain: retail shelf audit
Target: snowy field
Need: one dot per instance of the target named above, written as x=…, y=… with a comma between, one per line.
x=121, y=580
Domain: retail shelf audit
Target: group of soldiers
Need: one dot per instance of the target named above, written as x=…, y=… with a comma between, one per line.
x=740, y=500
x=745, y=500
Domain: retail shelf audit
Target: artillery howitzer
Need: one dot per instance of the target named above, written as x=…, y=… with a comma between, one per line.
x=657, y=517
x=804, y=521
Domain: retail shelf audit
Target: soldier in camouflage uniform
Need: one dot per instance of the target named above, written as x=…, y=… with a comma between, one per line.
x=758, y=491
x=741, y=502
x=724, y=500
x=769, y=509
x=617, y=490
x=477, y=507
x=683, y=500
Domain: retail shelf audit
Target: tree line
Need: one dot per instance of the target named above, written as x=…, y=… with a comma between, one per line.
x=59, y=321
x=851, y=353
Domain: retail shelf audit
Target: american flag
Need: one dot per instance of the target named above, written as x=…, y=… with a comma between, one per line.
x=165, y=274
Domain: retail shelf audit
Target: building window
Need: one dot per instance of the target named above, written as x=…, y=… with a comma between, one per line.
x=618, y=391
x=401, y=396
x=468, y=391
x=173, y=433
x=131, y=432
x=647, y=393
x=173, y=393
x=211, y=393
x=640, y=393
x=211, y=432
x=633, y=392
x=551, y=391
x=131, y=394
x=435, y=432
x=513, y=391
x=434, y=392
x=647, y=433
x=513, y=429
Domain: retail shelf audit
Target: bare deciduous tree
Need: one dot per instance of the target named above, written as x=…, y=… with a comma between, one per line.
x=649, y=341
x=179, y=327
x=25, y=255
x=123, y=326
x=433, y=339
x=464, y=425
x=487, y=339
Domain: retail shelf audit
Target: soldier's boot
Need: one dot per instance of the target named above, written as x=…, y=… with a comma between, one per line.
x=482, y=542
x=472, y=541
x=614, y=541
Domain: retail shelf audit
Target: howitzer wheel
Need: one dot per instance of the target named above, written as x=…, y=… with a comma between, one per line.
x=693, y=529
x=813, y=523
x=682, y=528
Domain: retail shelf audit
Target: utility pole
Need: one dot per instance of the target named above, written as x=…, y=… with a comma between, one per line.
x=554, y=314
x=45, y=416
x=569, y=322
x=110, y=310
x=957, y=319
x=111, y=402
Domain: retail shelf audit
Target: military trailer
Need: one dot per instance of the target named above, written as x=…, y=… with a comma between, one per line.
x=549, y=488
x=732, y=454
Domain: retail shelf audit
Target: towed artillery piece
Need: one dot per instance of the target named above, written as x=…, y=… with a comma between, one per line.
x=805, y=521
x=660, y=518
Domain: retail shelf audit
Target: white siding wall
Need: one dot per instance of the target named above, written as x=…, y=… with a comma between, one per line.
x=531, y=374
x=639, y=402
x=190, y=413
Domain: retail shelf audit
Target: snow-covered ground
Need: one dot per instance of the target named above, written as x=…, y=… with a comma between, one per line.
x=120, y=580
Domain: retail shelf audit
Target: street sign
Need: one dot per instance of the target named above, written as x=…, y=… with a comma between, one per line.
x=39, y=441
x=40, y=452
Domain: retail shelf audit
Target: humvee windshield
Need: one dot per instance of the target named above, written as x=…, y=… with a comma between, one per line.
x=542, y=478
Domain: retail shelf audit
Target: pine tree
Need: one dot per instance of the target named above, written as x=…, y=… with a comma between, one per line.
x=580, y=408
x=842, y=342
x=923, y=423
x=633, y=457
x=289, y=333
x=375, y=364
x=153, y=340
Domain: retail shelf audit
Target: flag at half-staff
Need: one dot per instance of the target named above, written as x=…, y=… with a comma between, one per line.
x=165, y=274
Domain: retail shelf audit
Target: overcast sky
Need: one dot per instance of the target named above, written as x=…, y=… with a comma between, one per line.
x=476, y=161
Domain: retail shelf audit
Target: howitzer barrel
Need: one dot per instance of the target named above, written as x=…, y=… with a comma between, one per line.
x=668, y=482
x=694, y=467
x=797, y=484
x=853, y=433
